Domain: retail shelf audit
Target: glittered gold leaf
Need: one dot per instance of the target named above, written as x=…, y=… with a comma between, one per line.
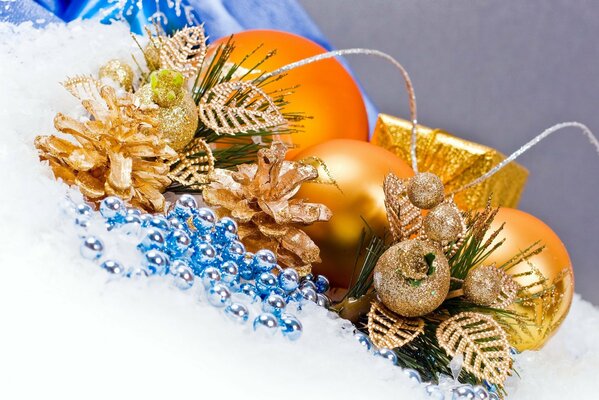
x=509, y=291
x=387, y=329
x=184, y=51
x=238, y=106
x=481, y=341
x=404, y=218
x=84, y=87
x=191, y=169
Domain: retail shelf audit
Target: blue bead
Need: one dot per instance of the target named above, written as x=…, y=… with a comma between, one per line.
x=309, y=277
x=274, y=304
x=266, y=282
x=323, y=301
x=176, y=223
x=245, y=267
x=264, y=261
x=159, y=222
x=177, y=242
x=309, y=294
x=182, y=274
x=113, y=267
x=204, y=220
x=296, y=296
x=237, y=312
x=156, y=262
x=364, y=340
x=266, y=323
x=112, y=208
x=277, y=290
x=250, y=291
x=92, y=248
x=290, y=326
x=131, y=225
x=145, y=219
x=308, y=284
x=229, y=272
x=412, y=374
x=463, y=392
x=185, y=205
x=210, y=276
x=322, y=284
x=234, y=251
x=388, y=354
x=84, y=210
x=134, y=211
x=219, y=295
x=225, y=230
x=289, y=279
x=153, y=239
x=203, y=256
x=138, y=273
x=434, y=392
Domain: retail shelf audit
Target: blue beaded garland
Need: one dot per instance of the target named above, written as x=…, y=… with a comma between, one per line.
x=138, y=273
x=158, y=222
x=308, y=284
x=413, y=375
x=250, y=291
x=225, y=231
x=131, y=225
x=291, y=327
x=237, y=312
x=364, y=340
x=323, y=301
x=229, y=272
x=266, y=282
x=92, y=248
x=153, y=239
x=234, y=251
x=388, y=354
x=156, y=262
x=112, y=208
x=266, y=323
x=322, y=284
x=264, y=261
x=210, y=276
x=463, y=392
x=176, y=223
x=204, y=220
x=177, y=242
x=309, y=294
x=185, y=205
x=219, y=295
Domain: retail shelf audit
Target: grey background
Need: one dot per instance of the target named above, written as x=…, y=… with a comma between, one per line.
x=498, y=73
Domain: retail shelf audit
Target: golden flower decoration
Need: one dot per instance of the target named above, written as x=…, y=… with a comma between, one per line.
x=260, y=198
x=118, y=151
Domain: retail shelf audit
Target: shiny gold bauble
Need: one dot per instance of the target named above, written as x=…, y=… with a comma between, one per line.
x=443, y=223
x=178, y=123
x=325, y=91
x=406, y=284
x=548, y=311
x=359, y=169
x=425, y=190
x=119, y=72
x=482, y=285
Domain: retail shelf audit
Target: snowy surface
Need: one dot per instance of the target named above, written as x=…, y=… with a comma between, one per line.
x=67, y=332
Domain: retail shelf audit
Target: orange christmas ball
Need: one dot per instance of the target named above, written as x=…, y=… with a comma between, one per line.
x=327, y=93
x=553, y=264
x=359, y=169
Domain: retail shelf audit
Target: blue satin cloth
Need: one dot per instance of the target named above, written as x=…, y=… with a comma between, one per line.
x=220, y=18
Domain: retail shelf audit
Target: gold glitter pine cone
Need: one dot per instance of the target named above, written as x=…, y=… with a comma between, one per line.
x=409, y=284
x=260, y=198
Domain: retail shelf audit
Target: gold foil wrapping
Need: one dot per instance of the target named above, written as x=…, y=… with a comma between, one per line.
x=456, y=161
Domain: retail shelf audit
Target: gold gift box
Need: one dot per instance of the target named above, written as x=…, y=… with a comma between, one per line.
x=456, y=161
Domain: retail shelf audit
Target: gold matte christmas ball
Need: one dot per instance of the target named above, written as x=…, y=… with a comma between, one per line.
x=179, y=122
x=443, y=223
x=425, y=190
x=412, y=278
x=482, y=285
x=119, y=72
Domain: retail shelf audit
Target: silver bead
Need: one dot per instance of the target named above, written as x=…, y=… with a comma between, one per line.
x=322, y=300
x=274, y=304
x=434, y=392
x=219, y=295
x=187, y=200
x=266, y=322
x=289, y=279
x=210, y=276
x=388, y=354
x=412, y=374
x=113, y=267
x=308, y=284
x=291, y=327
x=237, y=312
x=182, y=274
x=463, y=392
x=309, y=294
x=364, y=340
x=92, y=248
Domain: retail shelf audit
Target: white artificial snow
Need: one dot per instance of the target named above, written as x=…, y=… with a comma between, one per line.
x=68, y=332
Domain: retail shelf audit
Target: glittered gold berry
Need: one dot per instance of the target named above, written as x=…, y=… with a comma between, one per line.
x=443, y=223
x=152, y=56
x=119, y=72
x=412, y=278
x=425, y=190
x=483, y=285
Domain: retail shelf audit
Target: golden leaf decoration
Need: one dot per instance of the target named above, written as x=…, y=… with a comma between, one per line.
x=238, y=106
x=509, y=291
x=404, y=218
x=184, y=51
x=387, y=329
x=192, y=170
x=481, y=341
x=84, y=87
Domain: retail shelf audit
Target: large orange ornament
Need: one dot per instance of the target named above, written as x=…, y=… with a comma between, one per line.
x=549, y=275
x=327, y=93
x=359, y=169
